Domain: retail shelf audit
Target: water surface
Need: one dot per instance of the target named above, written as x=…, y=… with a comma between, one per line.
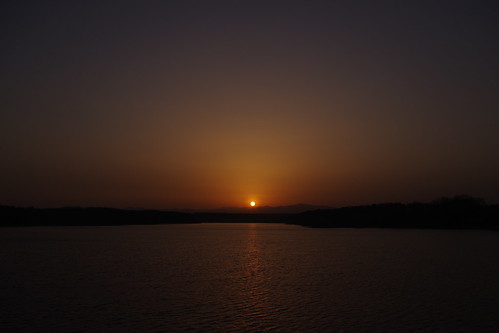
x=247, y=277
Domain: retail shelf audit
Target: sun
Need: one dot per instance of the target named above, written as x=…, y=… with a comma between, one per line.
x=252, y=204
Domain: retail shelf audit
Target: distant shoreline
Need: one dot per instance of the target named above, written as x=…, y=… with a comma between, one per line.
x=450, y=213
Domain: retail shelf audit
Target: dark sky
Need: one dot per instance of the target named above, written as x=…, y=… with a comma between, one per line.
x=202, y=104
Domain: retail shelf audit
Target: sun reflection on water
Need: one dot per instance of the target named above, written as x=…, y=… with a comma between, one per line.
x=255, y=293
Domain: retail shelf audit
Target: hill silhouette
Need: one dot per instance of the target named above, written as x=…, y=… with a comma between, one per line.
x=459, y=212
x=72, y=216
x=290, y=209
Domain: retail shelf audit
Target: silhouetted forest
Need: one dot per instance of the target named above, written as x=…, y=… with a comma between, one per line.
x=13, y=216
x=460, y=212
x=77, y=216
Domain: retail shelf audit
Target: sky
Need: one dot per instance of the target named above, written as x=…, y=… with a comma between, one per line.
x=206, y=104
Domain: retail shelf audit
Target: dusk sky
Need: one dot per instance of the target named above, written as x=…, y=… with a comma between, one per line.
x=206, y=104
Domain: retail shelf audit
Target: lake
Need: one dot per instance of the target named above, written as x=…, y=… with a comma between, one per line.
x=247, y=278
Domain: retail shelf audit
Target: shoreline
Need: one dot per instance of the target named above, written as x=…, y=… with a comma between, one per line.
x=447, y=215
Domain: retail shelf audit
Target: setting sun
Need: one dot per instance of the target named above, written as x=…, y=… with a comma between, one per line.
x=252, y=204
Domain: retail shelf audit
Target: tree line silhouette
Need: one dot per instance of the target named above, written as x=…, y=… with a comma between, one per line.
x=459, y=212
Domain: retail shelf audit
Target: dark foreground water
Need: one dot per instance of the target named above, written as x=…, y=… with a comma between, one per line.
x=247, y=277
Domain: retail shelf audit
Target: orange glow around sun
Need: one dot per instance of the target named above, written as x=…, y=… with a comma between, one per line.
x=252, y=204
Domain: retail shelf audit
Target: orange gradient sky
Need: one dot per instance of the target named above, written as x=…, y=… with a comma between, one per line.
x=204, y=105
